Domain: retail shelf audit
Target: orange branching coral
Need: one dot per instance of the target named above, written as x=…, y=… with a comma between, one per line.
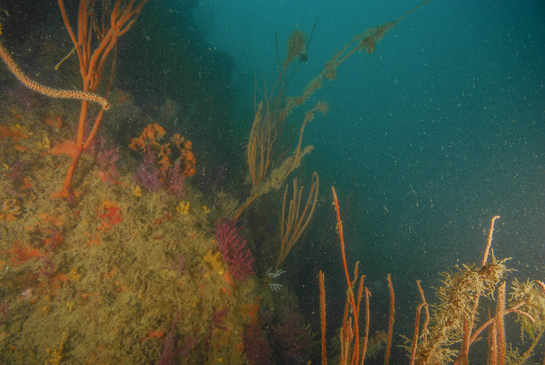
x=115, y=20
x=151, y=136
x=186, y=155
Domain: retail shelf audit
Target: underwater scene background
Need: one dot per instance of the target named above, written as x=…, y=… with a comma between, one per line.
x=166, y=174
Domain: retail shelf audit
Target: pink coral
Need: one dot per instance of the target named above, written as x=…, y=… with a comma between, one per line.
x=295, y=340
x=258, y=350
x=174, y=181
x=152, y=178
x=146, y=175
x=232, y=246
x=106, y=160
x=170, y=352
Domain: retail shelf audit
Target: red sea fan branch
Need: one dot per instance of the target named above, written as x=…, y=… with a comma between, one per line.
x=232, y=246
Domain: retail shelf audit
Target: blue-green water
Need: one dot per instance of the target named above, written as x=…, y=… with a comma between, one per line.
x=428, y=138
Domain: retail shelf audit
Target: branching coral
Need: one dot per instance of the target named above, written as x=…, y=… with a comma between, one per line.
x=174, y=180
x=458, y=297
x=294, y=337
x=106, y=162
x=157, y=170
x=152, y=135
x=233, y=248
x=170, y=352
x=258, y=350
x=532, y=320
x=146, y=175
